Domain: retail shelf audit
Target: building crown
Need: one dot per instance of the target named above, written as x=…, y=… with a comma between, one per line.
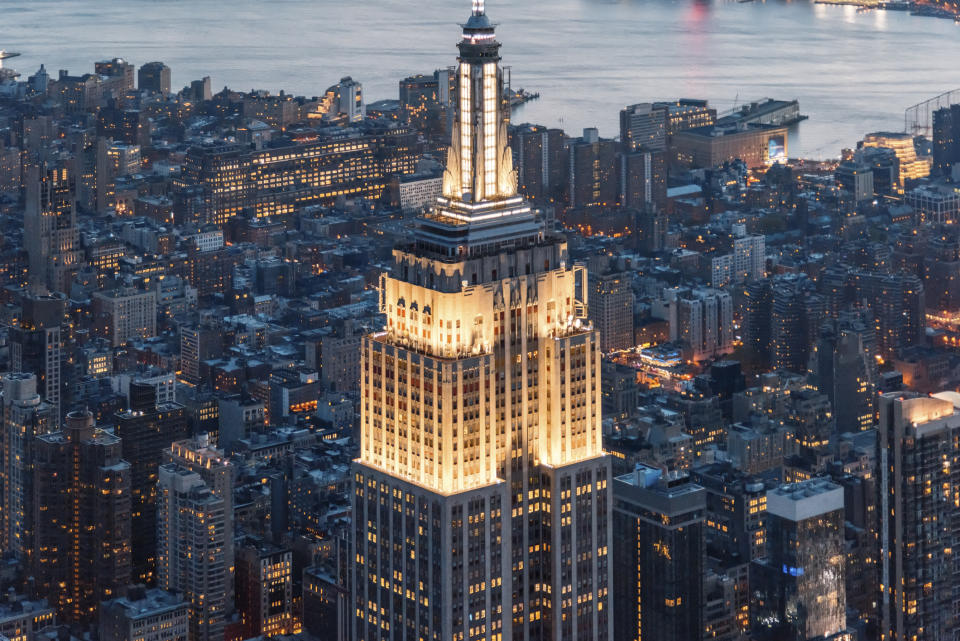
x=479, y=207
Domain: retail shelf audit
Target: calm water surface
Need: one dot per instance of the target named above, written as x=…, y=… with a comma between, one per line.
x=852, y=72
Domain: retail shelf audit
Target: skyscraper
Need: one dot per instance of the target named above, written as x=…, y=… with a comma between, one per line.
x=746, y=263
x=118, y=70
x=941, y=263
x=643, y=180
x=702, y=320
x=25, y=416
x=425, y=100
x=843, y=366
x=155, y=77
x=481, y=505
x=611, y=310
x=344, y=100
x=146, y=430
x=198, y=455
x=541, y=160
x=36, y=345
x=794, y=323
x=799, y=590
x=946, y=139
x=644, y=126
x=659, y=549
x=51, y=235
x=593, y=171
x=125, y=314
x=919, y=464
x=81, y=518
x=191, y=542
x=265, y=590
x=897, y=302
x=755, y=312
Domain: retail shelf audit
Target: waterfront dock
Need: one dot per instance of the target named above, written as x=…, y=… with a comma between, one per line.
x=915, y=8
x=521, y=96
x=779, y=113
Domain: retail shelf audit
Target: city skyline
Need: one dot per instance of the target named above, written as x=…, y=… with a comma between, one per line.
x=699, y=49
x=344, y=368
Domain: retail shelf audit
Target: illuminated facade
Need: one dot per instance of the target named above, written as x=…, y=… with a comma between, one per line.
x=124, y=159
x=146, y=430
x=23, y=620
x=144, y=615
x=482, y=506
x=200, y=456
x=25, y=416
x=191, y=546
x=342, y=101
x=919, y=480
x=425, y=100
x=265, y=591
x=712, y=146
x=52, y=239
x=660, y=550
x=81, y=518
x=275, y=181
x=799, y=588
x=912, y=166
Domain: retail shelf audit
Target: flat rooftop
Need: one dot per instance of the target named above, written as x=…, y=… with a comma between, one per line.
x=804, y=500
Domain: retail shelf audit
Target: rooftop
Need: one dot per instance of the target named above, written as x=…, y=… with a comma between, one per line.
x=140, y=602
x=799, y=501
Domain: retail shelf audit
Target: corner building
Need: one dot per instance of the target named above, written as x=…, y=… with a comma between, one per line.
x=482, y=506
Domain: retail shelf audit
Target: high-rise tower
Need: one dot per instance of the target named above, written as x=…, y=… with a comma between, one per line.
x=199, y=456
x=50, y=225
x=918, y=452
x=37, y=345
x=25, y=417
x=81, y=531
x=482, y=506
x=146, y=430
x=191, y=548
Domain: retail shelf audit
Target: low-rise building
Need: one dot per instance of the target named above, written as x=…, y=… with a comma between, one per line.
x=144, y=615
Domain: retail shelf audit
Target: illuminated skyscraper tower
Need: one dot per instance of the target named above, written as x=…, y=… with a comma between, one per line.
x=25, y=417
x=81, y=512
x=50, y=225
x=482, y=507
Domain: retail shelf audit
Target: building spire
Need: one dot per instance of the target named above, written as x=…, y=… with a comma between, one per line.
x=479, y=209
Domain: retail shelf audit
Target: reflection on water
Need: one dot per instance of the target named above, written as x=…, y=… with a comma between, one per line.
x=852, y=72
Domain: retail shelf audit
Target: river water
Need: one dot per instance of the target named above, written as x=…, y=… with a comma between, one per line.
x=852, y=72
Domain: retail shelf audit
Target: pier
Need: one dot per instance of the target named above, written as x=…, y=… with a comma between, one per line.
x=779, y=113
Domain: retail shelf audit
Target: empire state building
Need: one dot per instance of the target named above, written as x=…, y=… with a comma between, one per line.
x=482, y=508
